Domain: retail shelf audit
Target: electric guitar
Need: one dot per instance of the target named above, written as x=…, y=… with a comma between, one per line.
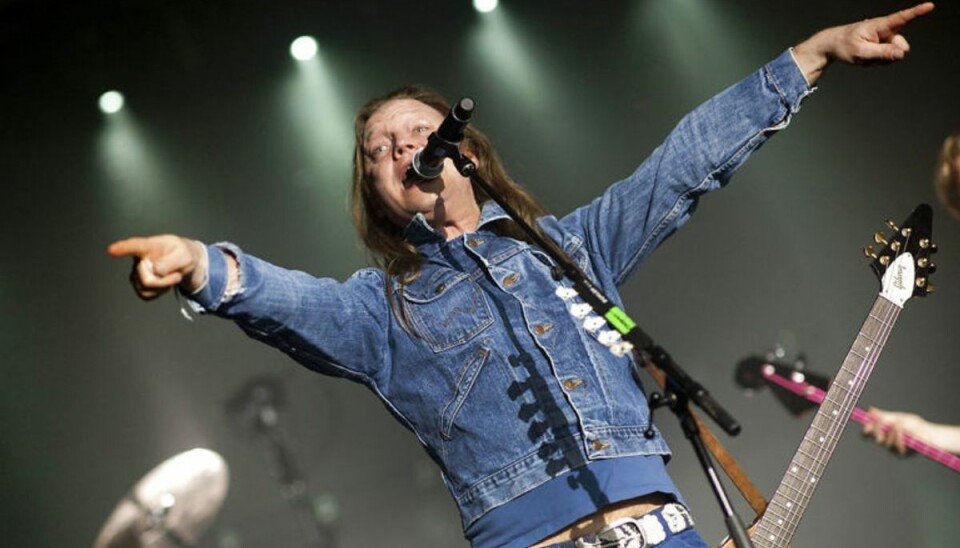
x=903, y=267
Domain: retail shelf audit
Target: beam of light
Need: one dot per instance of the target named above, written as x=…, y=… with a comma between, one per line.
x=496, y=44
x=141, y=192
x=706, y=45
x=133, y=176
x=111, y=102
x=485, y=6
x=520, y=76
x=304, y=48
x=320, y=150
x=323, y=127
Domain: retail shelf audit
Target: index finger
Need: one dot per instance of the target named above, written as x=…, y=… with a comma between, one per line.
x=894, y=21
x=131, y=247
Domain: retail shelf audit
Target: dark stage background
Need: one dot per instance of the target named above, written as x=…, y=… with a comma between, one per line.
x=226, y=137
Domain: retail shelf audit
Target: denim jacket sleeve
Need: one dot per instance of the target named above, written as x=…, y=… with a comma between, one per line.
x=636, y=214
x=332, y=327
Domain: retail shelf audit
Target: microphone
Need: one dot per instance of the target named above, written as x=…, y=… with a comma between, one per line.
x=428, y=161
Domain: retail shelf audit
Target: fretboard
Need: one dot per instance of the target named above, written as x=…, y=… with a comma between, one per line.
x=782, y=516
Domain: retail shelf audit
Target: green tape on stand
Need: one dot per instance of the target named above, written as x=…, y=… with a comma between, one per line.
x=619, y=319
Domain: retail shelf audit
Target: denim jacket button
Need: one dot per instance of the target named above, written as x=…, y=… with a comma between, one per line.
x=473, y=242
x=570, y=384
x=599, y=445
x=511, y=279
x=542, y=328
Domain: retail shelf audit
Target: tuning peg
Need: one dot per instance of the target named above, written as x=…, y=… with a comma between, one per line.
x=870, y=252
x=923, y=262
x=879, y=238
x=930, y=288
x=906, y=232
x=925, y=243
x=934, y=248
x=885, y=260
x=921, y=282
x=932, y=269
x=892, y=225
x=895, y=245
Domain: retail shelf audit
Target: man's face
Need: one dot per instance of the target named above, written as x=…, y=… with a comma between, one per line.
x=392, y=134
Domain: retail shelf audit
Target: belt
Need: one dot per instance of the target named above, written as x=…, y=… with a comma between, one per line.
x=650, y=529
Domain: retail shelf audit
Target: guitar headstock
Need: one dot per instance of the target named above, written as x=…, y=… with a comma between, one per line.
x=903, y=265
x=753, y=373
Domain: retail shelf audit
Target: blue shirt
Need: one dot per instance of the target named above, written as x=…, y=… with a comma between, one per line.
x=506, y=390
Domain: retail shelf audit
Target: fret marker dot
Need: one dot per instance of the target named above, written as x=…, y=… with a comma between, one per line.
x=813, y=480
x=789, y=505
x=794, y=469
x=834, y=413
x=772, y=538
x=867, y=349
x=822, y=439
x=779, y=522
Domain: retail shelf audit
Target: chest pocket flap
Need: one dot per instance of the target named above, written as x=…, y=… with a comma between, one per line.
x=446, y=308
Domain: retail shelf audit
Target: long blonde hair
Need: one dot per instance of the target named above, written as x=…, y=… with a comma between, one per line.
x=948, y=174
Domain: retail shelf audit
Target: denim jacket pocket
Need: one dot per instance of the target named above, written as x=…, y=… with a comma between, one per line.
x=464, y=384
x=446, y=309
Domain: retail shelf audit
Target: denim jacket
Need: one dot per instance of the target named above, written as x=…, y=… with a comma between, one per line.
x=501, y=385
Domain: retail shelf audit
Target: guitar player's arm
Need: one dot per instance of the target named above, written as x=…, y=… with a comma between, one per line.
x=889, y=428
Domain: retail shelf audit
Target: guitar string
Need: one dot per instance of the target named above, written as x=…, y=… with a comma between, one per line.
x=792, y=520
x=876, y=332
x=806, y=488
x=888, y=314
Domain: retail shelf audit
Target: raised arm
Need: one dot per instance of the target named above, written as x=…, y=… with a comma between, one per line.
x=871, y=41
x=710, y=143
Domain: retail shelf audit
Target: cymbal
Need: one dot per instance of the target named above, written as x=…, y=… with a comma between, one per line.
x=171, y=506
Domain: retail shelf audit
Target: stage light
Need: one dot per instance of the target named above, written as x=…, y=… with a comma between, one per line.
x=111, y=102
x=484, y=6
x=303, y=48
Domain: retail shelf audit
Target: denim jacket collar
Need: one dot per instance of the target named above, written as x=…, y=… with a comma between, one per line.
x=426, y=238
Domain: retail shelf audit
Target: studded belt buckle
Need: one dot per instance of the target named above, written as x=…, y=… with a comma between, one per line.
x=645, y=531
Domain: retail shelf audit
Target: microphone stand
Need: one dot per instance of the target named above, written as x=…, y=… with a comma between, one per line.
x=680, y=389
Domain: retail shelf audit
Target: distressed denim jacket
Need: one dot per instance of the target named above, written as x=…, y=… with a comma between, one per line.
x=501, y=385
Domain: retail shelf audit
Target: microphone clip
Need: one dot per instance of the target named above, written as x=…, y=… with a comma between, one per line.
x=444, y=143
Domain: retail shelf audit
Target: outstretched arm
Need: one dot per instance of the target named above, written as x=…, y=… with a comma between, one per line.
x=871, y=41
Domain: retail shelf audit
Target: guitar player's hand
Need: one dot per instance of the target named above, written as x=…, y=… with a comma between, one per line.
x=889, y=427
x=869, y=42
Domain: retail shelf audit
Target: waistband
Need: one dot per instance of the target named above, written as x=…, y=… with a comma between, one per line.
x=648, y=530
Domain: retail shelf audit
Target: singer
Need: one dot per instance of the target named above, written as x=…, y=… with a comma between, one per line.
x=537, y=428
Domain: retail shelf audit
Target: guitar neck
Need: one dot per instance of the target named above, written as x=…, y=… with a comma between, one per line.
x=782, y=517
